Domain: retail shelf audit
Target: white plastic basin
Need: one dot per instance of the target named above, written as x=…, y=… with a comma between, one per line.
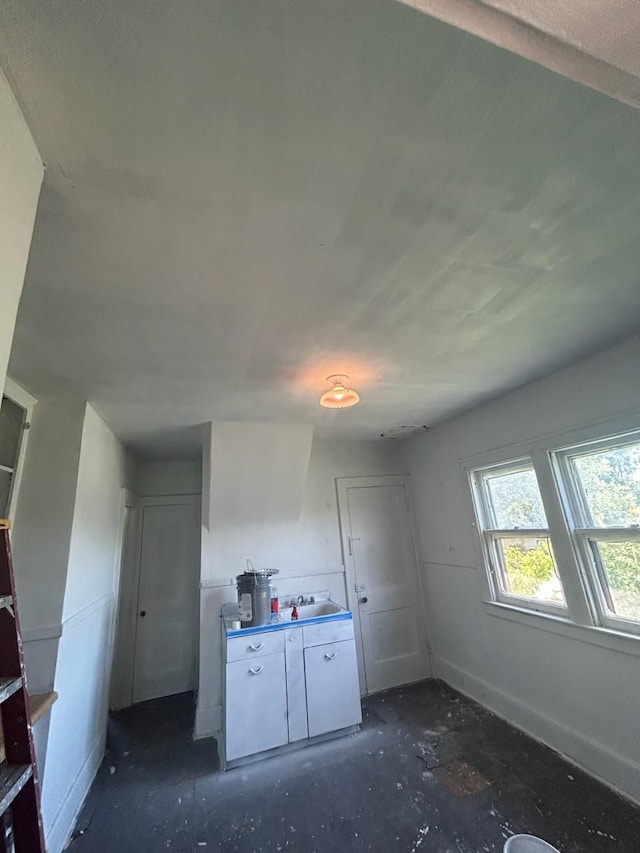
x=312, y=611
x=322, y=608
x=528, y=844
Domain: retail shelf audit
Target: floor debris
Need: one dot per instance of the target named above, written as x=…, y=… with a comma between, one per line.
x=371, y=792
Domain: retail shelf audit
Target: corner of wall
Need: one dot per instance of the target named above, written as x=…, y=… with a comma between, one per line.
x=21, y=173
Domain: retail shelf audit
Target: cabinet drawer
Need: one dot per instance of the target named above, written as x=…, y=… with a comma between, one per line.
x=328, y=632
x=255, y=706
x=255, y=645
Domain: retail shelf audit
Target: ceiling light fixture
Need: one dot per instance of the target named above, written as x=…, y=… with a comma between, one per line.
x=339, y=397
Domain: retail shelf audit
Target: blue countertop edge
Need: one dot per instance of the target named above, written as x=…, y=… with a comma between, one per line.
x=282, y=626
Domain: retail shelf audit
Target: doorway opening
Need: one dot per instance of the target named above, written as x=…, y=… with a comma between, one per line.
x=157, y=634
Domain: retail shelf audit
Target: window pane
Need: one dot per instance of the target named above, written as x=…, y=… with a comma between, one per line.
x=529, y=569
x=515, y=498
x=5, y=488
x=610, y=483
x=11, y=420
x=620, y=562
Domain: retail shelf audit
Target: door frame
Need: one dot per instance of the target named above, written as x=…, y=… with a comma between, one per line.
x=121, y=682
x=343, y=484
x=124, y=665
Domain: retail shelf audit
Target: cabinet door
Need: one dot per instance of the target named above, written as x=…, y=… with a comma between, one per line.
x=256, y=706
x=333, y=689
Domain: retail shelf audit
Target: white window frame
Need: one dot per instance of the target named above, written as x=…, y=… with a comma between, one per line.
x=577, y=516
x=490, y=535
x=21, y=398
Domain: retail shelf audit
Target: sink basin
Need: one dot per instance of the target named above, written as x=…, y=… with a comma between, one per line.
x=312, y=611
x=322, y=608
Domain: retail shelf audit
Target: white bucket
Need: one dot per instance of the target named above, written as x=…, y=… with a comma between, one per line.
x=528, y=844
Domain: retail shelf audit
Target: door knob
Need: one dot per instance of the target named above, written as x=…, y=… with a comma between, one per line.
x=143, y=612
x=364, y=600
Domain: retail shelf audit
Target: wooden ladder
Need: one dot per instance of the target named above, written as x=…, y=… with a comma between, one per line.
x=19, y=791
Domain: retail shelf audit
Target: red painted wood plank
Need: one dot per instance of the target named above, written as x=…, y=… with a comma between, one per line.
x=15, y=715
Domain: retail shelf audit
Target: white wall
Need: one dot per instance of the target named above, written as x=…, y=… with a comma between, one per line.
x=102, y=473
x=77, y=727
x=307, y=551
x=574, y=689
x=259, y=472
x=21, y=173
x=78, y=719
x=41, y=537
x=168, y=478
x=66, y=547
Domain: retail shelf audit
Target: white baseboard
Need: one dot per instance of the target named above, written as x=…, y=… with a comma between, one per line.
x=57, y=835
x=614, y=770
x=208, y=721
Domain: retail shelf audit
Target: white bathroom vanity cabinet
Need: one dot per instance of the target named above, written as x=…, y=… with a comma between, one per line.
x=286, y=684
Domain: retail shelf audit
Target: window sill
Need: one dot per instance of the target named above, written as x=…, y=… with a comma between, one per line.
x=604, y=638
x=535, y=606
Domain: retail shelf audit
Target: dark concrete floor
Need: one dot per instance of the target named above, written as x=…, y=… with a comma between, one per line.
x=386, y=788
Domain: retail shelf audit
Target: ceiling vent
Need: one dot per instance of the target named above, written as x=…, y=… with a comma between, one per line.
x=402, y=432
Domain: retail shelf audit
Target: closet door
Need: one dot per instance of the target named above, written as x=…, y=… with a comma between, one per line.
x=167, y=623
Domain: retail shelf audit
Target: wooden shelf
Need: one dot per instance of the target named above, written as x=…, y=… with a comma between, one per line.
x=39, y=704
x=13, y=778
x=8, y=687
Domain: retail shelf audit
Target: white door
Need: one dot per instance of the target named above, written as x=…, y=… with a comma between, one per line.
x=386, y=593
x=167, y=621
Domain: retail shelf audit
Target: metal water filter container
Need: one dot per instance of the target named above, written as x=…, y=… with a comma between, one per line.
x=254, y=597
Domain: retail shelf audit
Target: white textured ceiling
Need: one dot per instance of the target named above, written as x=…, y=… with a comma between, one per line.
x=606, y=29
x=243, y=197
x=596, y=43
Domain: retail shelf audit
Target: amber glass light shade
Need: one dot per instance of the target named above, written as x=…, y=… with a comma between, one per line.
x=339, y=397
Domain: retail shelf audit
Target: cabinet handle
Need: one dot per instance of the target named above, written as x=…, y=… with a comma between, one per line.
x=256, y=671
x=331, y=656
x=256, y=648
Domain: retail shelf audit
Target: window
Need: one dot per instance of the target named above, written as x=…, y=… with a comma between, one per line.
x=602, y=482
x=515, y=534
x=572, y=547
x=12, y=419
